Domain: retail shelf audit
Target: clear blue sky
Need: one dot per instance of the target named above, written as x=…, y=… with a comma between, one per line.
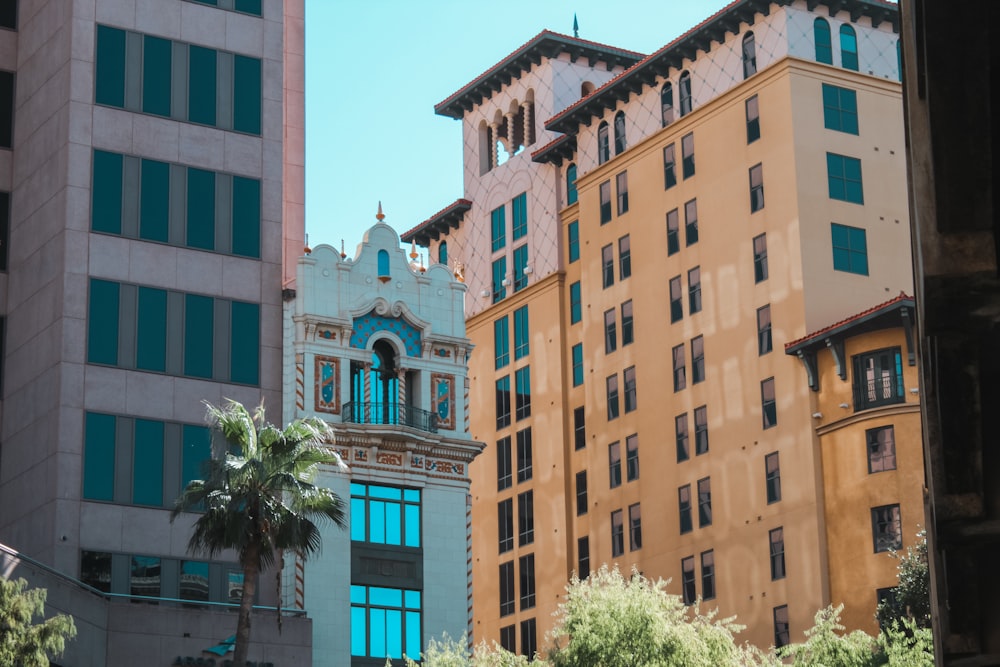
x=376, y=68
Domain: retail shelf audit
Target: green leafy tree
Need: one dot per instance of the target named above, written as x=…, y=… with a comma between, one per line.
x=448, y=652
x=24, y=643
x=826, y=644
x=912, y=597
x=905, y=644
x=258, y=497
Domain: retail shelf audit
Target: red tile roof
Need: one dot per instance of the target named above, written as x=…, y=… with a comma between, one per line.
x=865, y=314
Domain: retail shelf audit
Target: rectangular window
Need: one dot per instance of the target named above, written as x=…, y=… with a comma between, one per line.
x=573, y=241
x=583, y=557
x=673, y=233
x=608, y=265
x=621, y=184
x=156, y=75
x=246, y=217
x=881, y=448
x=634, y=527
x=777, y=540
x=201, y=209
x=524, y=455
x=669, y=167
x=499, y=279
x=887, y=533
x=840, y=109
x=878, y=378
x=704, y=502
x=501, y=342
x=507, y=588
x=764, y=330
x=632, y=457
x=614, y=465
x=503, y=401
x=844, y=178
x=202, y=84
x=628, y=327
x=247, y=93
x=110, y=69
x=684, y=508
x=676, y=300
x=694, y=290
x=681, y=433
x=244, y=343
x=8, y=15
x=519, y=216
x=103, y=324
x=144, y=578
x=624, y=257
x=689, y=591
x=605, y=194
x=498, y=229
x=578, y=364
x=631, y=397
x=697, y=359
x=505, y=525
x=687, y=154
x=612, y=392
x=708, y=575
x=579, y=428
x=760, y=258
x=753, y=120
x=581, y=493
x=385, y=515
x=680, y=371
x=520, y=264
x=526, y=564
x=701, y=430
x=525, y=518
x=768, y=406
x=151, y=330
x=508, y=640
x=106, y=195
x=691, y=222
x=772, y=477
x=782, y=636
x=529, y=642
x=610, y=332
x=575, y=303
x=617, y=534
x=522, y=393
x=850, y=249
x=147, y=463
x=522, y=333
x=505, y=470
x=756, y=188
x=99, y=457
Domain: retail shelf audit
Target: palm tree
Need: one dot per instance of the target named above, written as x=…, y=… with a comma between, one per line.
x=258, y=496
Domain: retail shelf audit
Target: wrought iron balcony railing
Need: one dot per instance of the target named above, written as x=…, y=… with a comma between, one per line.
x=356, y=412
x=885, y=389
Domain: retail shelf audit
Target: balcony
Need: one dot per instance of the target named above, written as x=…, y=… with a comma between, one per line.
x=391, y=414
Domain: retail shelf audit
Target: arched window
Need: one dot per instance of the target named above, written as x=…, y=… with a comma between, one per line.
x=824, y=44
x=586, y=88
x=848, y=48
x=375, y=390
x=667, y=103
x=603, y=149
x=749, y=56
x=685, y=93
x=571, y=184
x=485, y=149
x=443, y=253
x=620, y=143
x=383, y=265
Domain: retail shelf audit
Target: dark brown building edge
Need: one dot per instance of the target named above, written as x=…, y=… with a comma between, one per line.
x=950, y=70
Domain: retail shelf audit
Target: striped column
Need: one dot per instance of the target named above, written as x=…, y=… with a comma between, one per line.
x=468, y=569
x=300, y=382
x=300, y=582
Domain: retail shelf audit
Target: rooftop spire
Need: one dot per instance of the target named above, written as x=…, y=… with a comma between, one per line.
x=380, y=216
x=576, y=26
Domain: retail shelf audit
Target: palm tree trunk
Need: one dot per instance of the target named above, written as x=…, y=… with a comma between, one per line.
x=251, y=572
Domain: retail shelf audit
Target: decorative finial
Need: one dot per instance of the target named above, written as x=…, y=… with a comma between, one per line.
x=413, y=249
x=343, y=255
x=422, y=268
x=576, y=26
x=380, y=216
x=306, y=249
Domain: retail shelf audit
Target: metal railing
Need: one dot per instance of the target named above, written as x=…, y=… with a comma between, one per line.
x=356, y=412
x=882, y=390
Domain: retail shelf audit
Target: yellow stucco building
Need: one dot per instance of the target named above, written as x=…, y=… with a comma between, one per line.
x=640, y=236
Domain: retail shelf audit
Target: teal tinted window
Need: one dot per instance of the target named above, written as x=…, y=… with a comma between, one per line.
x=106, y=204
x=246, y=217
x=200, y=209
x=199, y=325
x=844, y=176
x=571, y=193
x=246, y=94
x=499, y=277
x=520, y=263
x=102, y=322
x=824, y=43
x=577, y=364
x=385, y=622
x=244, y=349
x=498, y=229
x=151, y=330
x=99, y=457
x=248, y=6
x=147, y=463
x=201, y=85
x=521, y=333
x=110, y=69
x=575, y=303
x=840, y=109
x=501, y=342
x=519, y=224
x=359, y=518
x=573, y=231
x=156, y=59
x=382, y=515
x=196, y=446
x=154, y=201
x=382, y=261
x=850, y=249
x=443, y=253
x=848, y=48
